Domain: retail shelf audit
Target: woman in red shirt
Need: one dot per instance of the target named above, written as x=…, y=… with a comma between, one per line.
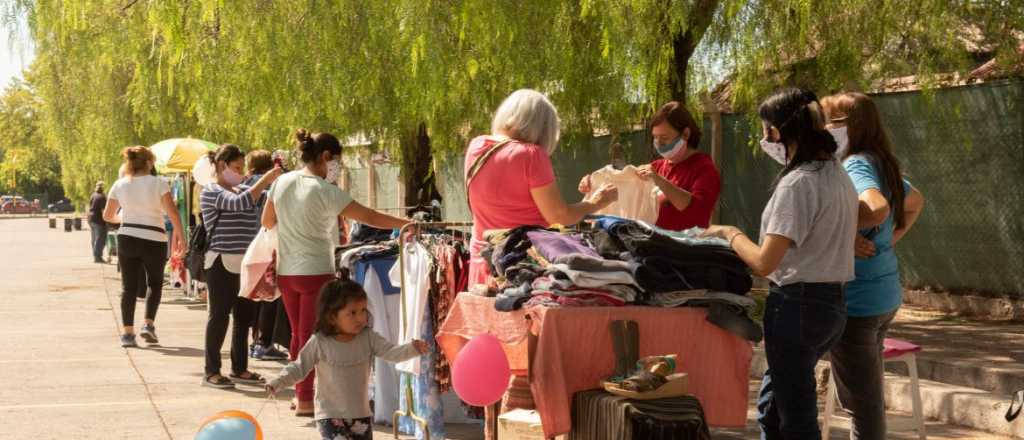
x=688, y=180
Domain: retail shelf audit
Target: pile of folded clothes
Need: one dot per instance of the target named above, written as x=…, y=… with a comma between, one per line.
x=621, y=262
x=671, y=261
x=536, y=266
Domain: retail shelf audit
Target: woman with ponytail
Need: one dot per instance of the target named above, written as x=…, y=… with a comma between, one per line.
x=304, y=205
x=806, y=251
x=142, y=239
x=888, y=208
x=231, y=213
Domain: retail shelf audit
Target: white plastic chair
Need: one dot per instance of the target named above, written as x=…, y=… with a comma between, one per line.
x=895, y=351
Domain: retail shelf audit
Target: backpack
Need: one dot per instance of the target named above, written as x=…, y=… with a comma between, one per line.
x=198, y=244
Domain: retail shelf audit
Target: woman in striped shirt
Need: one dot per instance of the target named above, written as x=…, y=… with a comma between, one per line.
x=231, y=213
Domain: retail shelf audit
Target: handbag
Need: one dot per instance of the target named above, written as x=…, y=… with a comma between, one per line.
x=198, y=244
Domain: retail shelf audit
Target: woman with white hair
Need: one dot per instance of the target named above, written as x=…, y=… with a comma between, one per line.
x=509, y=178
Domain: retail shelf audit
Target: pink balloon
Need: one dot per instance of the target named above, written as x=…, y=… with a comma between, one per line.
x=480, y=374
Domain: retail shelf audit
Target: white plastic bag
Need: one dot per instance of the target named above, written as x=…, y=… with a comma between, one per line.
x=258, y=279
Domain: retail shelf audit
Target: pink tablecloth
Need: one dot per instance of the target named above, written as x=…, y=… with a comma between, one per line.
x=473, y=315
x=574, y=352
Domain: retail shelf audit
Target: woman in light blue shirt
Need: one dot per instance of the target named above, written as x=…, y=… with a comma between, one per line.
x=888, y=208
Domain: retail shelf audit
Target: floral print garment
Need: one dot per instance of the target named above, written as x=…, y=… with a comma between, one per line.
x=345, y=429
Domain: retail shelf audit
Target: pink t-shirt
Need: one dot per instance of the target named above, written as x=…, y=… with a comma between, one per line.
x=500, y=193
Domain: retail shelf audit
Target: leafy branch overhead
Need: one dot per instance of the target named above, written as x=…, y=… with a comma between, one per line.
x=116, y=73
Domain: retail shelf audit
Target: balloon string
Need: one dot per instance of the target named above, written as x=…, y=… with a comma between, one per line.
x=270, y=398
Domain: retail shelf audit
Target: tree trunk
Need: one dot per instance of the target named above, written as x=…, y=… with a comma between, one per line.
x=417, y=175
x=683, y=46
x=684, y=43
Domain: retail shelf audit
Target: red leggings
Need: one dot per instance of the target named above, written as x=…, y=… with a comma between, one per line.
x=300, y=294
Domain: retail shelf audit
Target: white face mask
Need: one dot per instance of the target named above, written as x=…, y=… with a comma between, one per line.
x=774, y=150
x=232, y=178
x=842, y=139
x=333, y=170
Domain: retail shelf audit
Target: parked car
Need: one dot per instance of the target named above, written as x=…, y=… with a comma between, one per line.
x=64, y=205
x=19, y=206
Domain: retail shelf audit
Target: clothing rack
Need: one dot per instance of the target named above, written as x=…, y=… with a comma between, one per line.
x=410, y=407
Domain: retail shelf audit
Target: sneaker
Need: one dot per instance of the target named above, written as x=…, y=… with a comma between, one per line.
x=273, y=354
x=128, y=340
x=220, y=382
x=148, y=333
x=264, y=353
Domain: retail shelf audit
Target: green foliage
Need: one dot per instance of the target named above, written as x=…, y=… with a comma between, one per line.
x=27, y=165
x=117, y=73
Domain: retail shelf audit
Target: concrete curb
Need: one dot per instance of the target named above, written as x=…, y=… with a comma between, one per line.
x=967, y=305
x=963, y=373
x=955, y=405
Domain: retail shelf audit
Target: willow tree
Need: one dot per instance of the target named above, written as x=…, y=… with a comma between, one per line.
x=27, y=165
x=424, y=76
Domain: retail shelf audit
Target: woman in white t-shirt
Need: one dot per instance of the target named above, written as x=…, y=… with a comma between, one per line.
x=806, y=251
x=304, y=205
x=142, y=240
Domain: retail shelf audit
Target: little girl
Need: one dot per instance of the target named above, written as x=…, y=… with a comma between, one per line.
x=342, y=350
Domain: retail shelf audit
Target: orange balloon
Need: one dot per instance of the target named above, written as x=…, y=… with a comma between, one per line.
x=234, y=414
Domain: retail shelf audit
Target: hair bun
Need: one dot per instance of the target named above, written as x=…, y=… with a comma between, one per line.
x=809, y=97
x=303, y=139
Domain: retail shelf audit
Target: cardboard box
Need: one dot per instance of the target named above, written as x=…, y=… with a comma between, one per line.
x=520, y=424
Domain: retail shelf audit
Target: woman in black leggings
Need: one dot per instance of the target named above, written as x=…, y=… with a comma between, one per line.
x=142, y=241
x=231, y=216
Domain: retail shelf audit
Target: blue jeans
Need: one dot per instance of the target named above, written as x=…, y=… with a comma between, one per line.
x=801, y=323
x=98, y=232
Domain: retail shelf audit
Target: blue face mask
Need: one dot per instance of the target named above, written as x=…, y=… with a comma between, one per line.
x=670, y=150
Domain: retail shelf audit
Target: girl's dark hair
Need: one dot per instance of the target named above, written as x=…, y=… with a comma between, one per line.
x=312, y=145
x=868, y=136
x=797, y=115
x=227, y=153
x=334, y=296
x=137, y=158
x=676, y=115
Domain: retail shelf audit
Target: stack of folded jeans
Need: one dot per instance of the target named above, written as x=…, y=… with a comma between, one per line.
x=683, y=261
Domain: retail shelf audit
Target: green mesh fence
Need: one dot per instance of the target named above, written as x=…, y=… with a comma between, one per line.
x=963, y=148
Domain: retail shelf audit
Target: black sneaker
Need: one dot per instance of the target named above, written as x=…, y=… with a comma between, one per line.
x=264, y=353
x=148, y=334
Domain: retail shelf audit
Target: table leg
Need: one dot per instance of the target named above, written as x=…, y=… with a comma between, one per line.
x=491, y=421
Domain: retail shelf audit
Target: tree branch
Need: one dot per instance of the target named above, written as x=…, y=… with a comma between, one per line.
x=124, y=9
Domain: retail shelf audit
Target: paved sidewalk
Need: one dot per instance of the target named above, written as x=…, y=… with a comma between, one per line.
x=65, y=374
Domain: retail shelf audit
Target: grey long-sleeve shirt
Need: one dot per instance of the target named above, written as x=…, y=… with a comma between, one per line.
x=342, y=371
